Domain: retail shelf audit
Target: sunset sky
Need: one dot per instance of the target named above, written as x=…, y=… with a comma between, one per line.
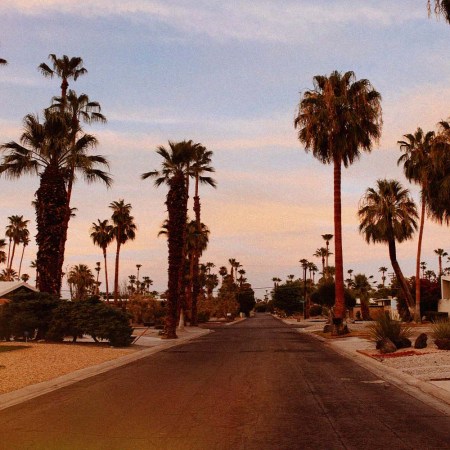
x=228, y=75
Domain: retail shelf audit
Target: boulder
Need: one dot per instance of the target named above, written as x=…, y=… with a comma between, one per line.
x=403, y=342
x=386, y=346
x=421, y=341
x=442, y=344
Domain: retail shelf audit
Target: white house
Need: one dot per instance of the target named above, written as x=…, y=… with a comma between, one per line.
x=8, y=288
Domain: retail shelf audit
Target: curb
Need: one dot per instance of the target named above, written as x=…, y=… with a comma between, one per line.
x=35, y=390
x=241, y=319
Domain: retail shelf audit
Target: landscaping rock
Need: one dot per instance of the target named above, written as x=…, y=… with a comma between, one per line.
x=421, y=341
x=403, y=343
x=442, y=344
x=386, y=346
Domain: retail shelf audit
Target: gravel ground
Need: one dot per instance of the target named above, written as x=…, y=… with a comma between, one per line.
x=38, y=362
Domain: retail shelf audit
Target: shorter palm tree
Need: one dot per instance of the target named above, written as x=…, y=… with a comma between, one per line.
x=81, y=282
x=124, y=230
x=383, y=270
x=441, y=253
x=102, y=236
x=388, y=214
x=441, y=8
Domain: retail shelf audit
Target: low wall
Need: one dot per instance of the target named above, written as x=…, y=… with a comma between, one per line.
x=444, y=305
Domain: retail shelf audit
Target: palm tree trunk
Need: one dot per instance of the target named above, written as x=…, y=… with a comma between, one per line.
x=176, y=201
x=116, y=271
x=401, y=279
x=106, y=276
x=51, y=203
x=9, y=253
x=12, y=255
x=417, y=315
x=339, y=306
x=21, y=260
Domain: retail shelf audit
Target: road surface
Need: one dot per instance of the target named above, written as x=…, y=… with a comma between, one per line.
x=258, y=384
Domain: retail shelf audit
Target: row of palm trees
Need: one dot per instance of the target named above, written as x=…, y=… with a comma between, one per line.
x=120, y=229
x=339, y=118
x=56, y=149
x=182, y=161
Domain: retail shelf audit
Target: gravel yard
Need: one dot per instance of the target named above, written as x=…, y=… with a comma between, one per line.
x=39, y=362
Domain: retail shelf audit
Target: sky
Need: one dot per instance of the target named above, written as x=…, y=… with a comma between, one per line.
x=229, y=75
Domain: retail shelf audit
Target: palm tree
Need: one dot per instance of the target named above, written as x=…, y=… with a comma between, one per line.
x=388, y=214
x=423, y=266
x=223, y=272
x=45, y=150
x=124, y=230
x=16, y=231
x=25, y=241
x=441, y=7
x=81, y=280
x=2, y=252
x=102, y=235
x=334, y=135
x=440, y=252
x=418, y=168
x=3, y=62
x=327, y=238
x=65, y=68
x=322, y=253
x=383, y=270
x=173, y=173
x=232, y=262
x=196, y=243
x=25, y=277
x=98, y=268
x=201, y=164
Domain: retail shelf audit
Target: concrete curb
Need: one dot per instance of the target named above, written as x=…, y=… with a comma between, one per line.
x=35, y=390
x=241, y=319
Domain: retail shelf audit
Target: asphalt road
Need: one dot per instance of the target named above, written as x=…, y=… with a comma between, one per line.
x=255, y=385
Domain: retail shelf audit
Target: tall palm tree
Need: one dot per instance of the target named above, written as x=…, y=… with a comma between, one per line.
x=441, y=253
x=124, y=230
x=201, y=164
x=232, y=262
x=388, y=214
x=64, y=68
x=173, y=172
x=45, y=150
x=25, y=240
x=336, y=120
x=418, y=168
x=441, y=7
x=223, y=272
x=196, y=243
x=383, y=270
x=102, y=236
x=423, y=266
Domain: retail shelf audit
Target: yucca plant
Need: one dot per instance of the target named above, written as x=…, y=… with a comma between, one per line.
x=384, y=327
x=441, y=329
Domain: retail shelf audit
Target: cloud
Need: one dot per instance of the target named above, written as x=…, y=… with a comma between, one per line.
x=237, y=20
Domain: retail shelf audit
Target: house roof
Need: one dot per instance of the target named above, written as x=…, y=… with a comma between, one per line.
x=9, y=286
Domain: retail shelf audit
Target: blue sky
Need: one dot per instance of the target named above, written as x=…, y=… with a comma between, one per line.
x=228, y=75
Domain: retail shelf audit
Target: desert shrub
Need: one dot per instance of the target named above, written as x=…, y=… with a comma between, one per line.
x=441, y=329
x=287, y=298
x=315, y=310
x=384, y=327
x=246, y=299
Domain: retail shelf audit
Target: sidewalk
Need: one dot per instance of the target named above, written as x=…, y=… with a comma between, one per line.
x=423, y=373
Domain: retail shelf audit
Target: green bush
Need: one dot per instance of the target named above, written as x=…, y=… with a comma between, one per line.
x=384, y=327
x=202, y=316
x=90, y=317
x=326, y=293
x=441, y=329
x=29, y=314
x=261, y=307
